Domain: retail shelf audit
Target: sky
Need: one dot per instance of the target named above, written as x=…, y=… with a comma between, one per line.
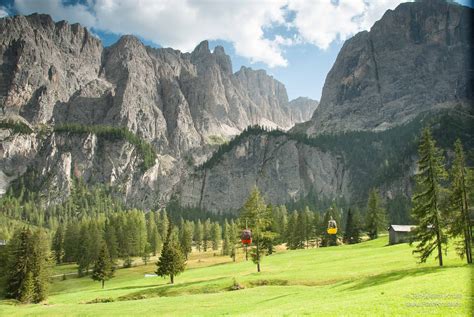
x=295, y=41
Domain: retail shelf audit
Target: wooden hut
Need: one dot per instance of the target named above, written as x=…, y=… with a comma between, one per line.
x=399, y=233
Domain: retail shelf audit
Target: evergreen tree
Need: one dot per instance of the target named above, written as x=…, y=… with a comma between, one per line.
x=233, y=239
x=110, y=238
x=28, y=266
x=461, y=181
x=426, y=199
x=58, y=245
x=146, y=253
x=171, y=261
x=308, y=230
x=256, y=214
x=27, y=290
x=71, y=241
x=291, y=229
x=375, y=217
x=226, y=248
x=20, y=249
x=103, y=267
x=216, y=236
x=198, y=235
x=352, y=228
x=186, y=238
x=163, y=224
x=41, y=265
x=206, y=234
x=299, y=233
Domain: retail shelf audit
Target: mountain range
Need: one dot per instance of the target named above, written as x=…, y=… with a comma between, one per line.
x=62, y=92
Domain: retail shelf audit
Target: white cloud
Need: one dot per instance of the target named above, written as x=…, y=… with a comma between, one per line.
x=182, y=24
x=324, y=21
x=3, y=12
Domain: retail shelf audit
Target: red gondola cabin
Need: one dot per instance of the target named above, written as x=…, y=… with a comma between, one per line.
x=246, y=237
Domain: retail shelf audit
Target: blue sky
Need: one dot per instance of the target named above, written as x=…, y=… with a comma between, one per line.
x=296, y=41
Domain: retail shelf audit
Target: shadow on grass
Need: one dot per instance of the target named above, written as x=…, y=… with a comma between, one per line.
x=393, y=276
x=176, y=289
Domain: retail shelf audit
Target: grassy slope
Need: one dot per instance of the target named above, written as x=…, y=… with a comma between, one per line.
x=369, y=279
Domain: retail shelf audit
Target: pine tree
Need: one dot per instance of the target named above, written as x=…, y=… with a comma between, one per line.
x=146, y=253
x=459, y=225
x=171, y=261
x=375, y=217
x=206, y=230
x=110, y=238
x=40, y=264
x=352, y=228
x=186, y=238
x=226, y=239
x=20, y=249
x=71, y=241
x=198, y=235
x=103, y=267
x=28, y=266
x=308, y=220
x=299, y=233
x=291, y=229
x=426, y=199
x=233, y=236
x=216, y=235
x=58, y=245
x=259, y=219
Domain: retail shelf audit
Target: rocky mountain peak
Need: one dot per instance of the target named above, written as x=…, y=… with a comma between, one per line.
x=413, y=60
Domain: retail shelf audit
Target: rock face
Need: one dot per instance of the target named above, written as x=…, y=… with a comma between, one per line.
x=283, y=169
x=302, y=108
x=56, y=73
x=417, y=58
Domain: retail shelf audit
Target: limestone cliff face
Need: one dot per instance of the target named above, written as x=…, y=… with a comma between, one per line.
x=55, y=73
x=283, y=169
x=417, y=58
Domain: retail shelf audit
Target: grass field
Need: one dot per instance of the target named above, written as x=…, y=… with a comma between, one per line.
x=368, y=279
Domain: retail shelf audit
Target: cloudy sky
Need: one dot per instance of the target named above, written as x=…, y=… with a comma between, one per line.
x=296, y=41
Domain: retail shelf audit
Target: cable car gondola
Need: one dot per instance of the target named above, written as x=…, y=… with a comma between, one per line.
x=332, y=227
x=246, y=237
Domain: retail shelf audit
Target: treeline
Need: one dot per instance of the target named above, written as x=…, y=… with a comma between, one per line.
x=111, y=133
x=374, y=158
x=15, y=126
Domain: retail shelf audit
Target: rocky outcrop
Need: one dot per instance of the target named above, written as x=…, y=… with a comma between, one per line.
x=54, y=73
x=283, y=169
x=417, y=58
x=301, y=109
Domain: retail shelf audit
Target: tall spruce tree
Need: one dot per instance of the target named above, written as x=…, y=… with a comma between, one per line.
x=28, y=266
x=216, y=235
x=186, y=238
x=459, y=222
x=171, y=261
x=206, y=234
x=103, y=267
x=198, y=235
x=375, y=216
x=426, y=200
x=352, y=228
x=58, y=245
x=258, y=218
x=226, y=239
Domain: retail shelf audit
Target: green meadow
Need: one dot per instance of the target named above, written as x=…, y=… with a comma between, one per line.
x=366, y=279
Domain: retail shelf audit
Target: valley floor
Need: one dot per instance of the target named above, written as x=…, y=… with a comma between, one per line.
x=368, y=279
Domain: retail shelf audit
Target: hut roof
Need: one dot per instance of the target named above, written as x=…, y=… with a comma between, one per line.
x=401, y=228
